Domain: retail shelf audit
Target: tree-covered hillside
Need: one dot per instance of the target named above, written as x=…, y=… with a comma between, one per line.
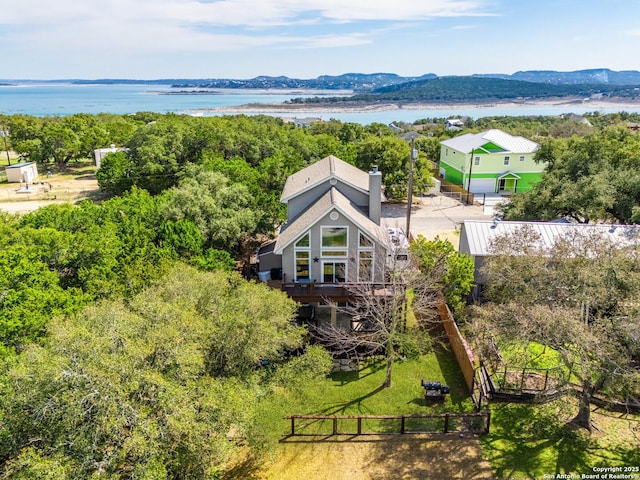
x=478, y=89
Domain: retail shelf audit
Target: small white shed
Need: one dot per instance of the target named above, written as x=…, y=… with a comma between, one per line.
x=22, y=172
x=100, y=153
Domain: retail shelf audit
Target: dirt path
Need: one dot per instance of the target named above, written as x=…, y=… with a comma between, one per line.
x=16, y=198
x=379, y=457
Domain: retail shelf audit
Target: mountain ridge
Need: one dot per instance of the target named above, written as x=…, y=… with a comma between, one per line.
x=364, y=82
x=456, y=89
x=592, y=76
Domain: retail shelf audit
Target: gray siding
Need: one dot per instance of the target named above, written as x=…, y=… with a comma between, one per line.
x=268, y=261
x=288, y=256
x=297, y=205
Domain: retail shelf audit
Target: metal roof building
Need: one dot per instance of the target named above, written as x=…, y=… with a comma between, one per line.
x=477, y=237
x=508, y=143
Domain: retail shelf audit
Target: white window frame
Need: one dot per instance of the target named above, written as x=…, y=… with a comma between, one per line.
x=345, y=247
x=476, y=161
x=522, y=158
x=507, y=159
x=370, y=249
x=295, y=268
x=333, y=262
x=366, y=237
x=370, y=275
x=308, y=235
x=306, y=249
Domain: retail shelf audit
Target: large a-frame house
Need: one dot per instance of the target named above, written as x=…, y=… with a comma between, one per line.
x=332, y=237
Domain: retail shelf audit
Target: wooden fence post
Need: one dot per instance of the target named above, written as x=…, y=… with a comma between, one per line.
x=359, y=425
x=486, y=429
x=335, y=425
x=402, y=425
x=504, y=378
x=446, y=423
x=293, y=426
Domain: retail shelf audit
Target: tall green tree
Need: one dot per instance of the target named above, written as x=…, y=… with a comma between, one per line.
x=158, y=152
x=30, y=294
x=391, y=155
x=576, y=296
x=167, y=385
x=589, y=179
x=440, y=259
x=222, y=210
x=117, y=173
x=110, y=249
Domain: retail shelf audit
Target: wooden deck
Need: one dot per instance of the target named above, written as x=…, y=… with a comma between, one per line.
x=336, y=292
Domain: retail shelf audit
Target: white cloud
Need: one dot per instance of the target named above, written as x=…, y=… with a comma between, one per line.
x=333, y=41
x=464, y=27
x=115, y=37
x=406, y=10
x=232, y=12
x=177, y=25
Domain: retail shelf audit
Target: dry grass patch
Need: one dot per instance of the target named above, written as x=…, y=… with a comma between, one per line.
x=379, y=457
x=74, y=183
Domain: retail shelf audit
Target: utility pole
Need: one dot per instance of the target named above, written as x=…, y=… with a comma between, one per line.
x=470, y=171
x=412, y=159
x=4, y=134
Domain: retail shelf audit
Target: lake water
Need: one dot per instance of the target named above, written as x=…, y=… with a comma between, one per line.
x=66, y=99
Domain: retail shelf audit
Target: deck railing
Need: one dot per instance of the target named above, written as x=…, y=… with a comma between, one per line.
x=341, y=292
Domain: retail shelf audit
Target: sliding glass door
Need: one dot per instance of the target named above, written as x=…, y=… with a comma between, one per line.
x=334, y=272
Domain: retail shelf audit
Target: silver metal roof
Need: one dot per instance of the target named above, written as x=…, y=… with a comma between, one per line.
x=470, y=141
x=477, y=235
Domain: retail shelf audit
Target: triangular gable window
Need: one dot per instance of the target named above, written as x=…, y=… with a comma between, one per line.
x=304, y=242
x=365, y=242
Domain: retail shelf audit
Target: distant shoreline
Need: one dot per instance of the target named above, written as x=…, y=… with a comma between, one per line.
x=296, y=108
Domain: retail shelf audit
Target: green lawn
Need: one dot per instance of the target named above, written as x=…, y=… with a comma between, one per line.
x=525, y=441
x=531, y=355
x=529, y=441
x=537, y=359
x=359, y=393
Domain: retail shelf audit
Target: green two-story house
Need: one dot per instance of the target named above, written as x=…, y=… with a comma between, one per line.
x=490, y=162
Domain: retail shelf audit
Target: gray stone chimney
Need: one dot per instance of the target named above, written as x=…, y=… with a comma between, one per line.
x=375, y=194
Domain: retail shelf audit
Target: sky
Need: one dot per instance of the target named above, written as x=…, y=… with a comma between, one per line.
x=153, y=39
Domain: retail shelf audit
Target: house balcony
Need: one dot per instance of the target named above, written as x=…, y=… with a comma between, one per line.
x=305, y=292
x=318, y=292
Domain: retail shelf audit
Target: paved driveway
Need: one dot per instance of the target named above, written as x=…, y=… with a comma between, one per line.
x=434, y=215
